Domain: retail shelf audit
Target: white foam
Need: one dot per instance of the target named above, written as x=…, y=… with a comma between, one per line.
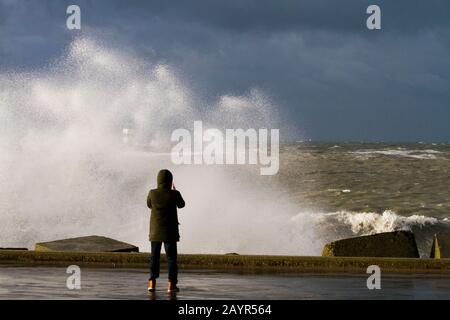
x=364, y=223
x=416, y=154
x=65, y=171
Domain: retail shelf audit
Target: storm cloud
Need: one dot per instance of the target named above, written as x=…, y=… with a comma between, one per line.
x=331, y=77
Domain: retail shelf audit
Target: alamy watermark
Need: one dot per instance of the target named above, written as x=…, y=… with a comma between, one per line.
x=73, y=282
x=73, y=21
x=373, y=22
x=234, y=146
x=374, y=280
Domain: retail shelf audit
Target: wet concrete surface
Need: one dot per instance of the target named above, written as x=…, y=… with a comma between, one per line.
x=51, y=283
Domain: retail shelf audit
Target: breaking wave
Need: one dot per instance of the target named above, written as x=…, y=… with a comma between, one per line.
x=344, y=224
x=416, y=154
x=388, y=221
x=66, y=169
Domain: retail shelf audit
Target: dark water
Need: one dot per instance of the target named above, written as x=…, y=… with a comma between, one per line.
x=50, y=283
x=406, y=178
x=364, y=188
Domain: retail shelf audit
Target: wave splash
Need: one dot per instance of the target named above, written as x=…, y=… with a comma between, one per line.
x=65, y=171
x=344, y=224
x=388, y=221
x=429, y=154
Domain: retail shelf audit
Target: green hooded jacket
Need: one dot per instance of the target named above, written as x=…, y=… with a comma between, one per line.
x=163, y=202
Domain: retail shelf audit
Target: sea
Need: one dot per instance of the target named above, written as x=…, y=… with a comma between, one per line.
x=357, y=188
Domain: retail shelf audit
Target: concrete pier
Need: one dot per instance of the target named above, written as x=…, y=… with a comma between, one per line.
x=239, y=263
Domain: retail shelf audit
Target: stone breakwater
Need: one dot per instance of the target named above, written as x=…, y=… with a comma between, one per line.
x=235, y=263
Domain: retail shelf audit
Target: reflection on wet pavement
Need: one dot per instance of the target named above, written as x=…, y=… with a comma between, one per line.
x=50, y=283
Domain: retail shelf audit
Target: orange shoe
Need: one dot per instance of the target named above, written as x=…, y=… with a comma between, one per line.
x=151, y=285
x=172, y=287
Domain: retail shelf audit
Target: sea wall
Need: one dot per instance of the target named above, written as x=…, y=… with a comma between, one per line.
x=239, y=263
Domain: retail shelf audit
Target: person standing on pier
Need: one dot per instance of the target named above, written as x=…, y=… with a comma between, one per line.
x=163, y=202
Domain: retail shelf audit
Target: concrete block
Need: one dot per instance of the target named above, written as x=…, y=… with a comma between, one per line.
x=89, y=243
x=398, y=244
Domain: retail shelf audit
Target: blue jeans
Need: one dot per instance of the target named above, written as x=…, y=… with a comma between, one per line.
x=171, y=255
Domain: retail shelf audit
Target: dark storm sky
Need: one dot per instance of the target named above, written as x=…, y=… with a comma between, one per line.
x=331, y=77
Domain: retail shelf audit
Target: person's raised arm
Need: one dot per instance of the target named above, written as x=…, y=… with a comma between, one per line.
x=180, y=200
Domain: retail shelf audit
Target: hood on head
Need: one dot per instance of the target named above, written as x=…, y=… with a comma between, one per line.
x=164, y=179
